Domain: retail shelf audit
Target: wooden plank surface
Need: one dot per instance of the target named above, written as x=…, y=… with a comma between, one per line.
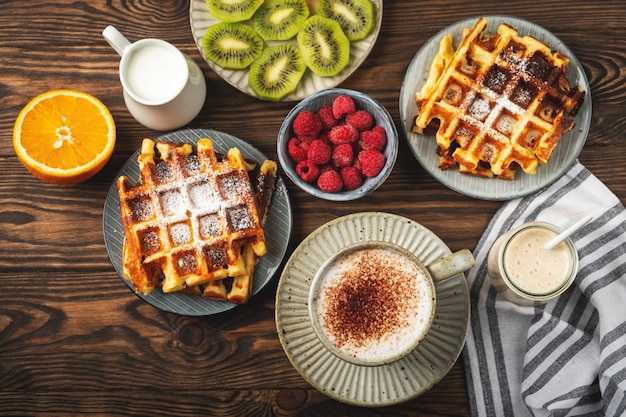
x=74, y=339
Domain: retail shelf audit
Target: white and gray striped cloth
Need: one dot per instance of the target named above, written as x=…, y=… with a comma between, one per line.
x=566, y=357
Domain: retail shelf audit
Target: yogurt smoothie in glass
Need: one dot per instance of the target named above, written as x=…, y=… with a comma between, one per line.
x=525, y=271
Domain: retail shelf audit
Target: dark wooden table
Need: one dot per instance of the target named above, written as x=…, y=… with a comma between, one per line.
x=74, y=339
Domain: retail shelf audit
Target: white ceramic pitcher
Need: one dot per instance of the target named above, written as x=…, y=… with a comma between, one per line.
x=163, y=88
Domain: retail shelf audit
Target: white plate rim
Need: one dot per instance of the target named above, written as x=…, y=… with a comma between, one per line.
x=423, y=147
x=201, y=19
x=279, y=219
x=364, y=385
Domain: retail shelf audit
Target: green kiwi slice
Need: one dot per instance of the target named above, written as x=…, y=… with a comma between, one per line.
x=325, y=48
x=277, y=72
x=232, y=45
x=233, y=10
x=356, y=17
x=279, y=20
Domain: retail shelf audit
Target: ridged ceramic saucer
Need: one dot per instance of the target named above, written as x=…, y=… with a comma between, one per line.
x=369, y=386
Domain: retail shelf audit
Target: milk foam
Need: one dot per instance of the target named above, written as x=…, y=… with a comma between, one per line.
x=374, y=304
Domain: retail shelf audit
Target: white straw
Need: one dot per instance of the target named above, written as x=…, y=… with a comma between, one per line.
x=568, y=232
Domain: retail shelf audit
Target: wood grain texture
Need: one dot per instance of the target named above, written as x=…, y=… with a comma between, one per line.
x=74, y=340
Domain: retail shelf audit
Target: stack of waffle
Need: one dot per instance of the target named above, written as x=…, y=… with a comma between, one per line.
x=497, y=102
x=194, y=220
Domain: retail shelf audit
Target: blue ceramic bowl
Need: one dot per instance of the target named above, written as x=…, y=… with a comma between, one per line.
x=363, y=102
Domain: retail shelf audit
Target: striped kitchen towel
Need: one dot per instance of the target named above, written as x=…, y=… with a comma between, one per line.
x=566, y=357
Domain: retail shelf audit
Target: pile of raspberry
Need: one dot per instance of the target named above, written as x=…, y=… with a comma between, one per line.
x=337, y=147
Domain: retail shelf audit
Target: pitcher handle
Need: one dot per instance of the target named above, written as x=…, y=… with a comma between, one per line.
x=115, y=39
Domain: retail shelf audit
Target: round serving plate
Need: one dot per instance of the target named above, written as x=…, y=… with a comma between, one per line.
x=201, y=19
x=278, y=224
x=424, y=146
x=369, y=386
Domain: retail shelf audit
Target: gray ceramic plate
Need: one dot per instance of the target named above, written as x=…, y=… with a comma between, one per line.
x=369, y=386
x=424, y=147
x=201, y=19
x=277, y=228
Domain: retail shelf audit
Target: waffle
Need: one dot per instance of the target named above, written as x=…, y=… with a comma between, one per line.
x=241, y=285
x=497, y=103
x=189, y=219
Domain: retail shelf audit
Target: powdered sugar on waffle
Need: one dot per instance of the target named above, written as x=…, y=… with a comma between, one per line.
x=502, y=101
x=192, y=209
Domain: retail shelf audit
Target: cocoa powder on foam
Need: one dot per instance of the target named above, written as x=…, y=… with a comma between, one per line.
x=372, y=298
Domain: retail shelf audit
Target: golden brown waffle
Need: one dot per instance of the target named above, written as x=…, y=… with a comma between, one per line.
x=241, y=285
x=500, y=101
x=189, y=218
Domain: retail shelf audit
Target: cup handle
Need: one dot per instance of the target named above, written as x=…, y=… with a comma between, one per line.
x=115, y=39
x=451, y=265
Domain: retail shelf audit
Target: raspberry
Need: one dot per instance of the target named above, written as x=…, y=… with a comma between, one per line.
x=307, y=124
x=371, y=162
x=319, y=152
x=343, y=105
x=325, y=114
x=343, y=133
x=297, y=149
x=307, y=138
x=326, y=167
x=373, y=139
x=330, y=181
x=307, y=170
x=324, y=138
x=351, y=178
x=361, y=120
x=343, y=155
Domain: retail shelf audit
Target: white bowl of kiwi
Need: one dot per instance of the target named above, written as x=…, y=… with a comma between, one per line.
x=271, y=49
x=338, y=144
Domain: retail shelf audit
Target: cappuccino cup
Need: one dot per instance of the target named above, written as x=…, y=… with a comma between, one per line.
x=373, y=303
x=163, y=88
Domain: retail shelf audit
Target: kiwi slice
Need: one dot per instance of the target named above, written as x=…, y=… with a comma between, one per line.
x=356, y=17
x=232, y=45
x=277, y=72
x=233, y=10
x=279, y=20
x=325, y=48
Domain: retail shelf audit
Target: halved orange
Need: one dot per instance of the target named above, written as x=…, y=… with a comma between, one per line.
x=64, y=136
